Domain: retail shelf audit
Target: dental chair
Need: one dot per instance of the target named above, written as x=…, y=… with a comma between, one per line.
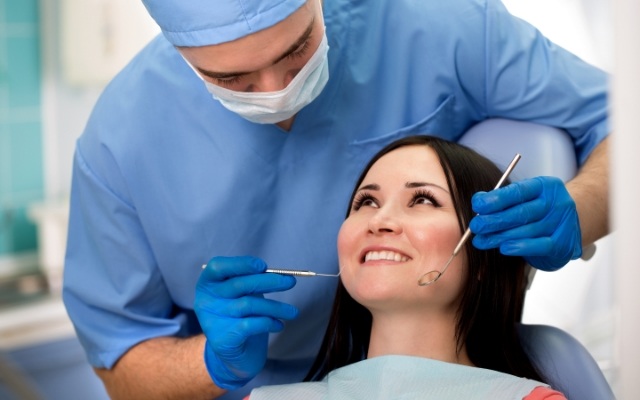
x=546, y=151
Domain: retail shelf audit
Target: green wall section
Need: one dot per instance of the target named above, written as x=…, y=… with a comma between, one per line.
x=21, y=153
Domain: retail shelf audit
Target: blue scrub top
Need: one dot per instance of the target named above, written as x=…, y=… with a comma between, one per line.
x=166, y=178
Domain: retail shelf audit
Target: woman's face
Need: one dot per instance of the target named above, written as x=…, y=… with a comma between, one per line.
x=402, y=224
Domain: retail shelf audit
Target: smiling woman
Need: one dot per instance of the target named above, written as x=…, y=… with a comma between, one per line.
x=456, y=338
x=402, y=223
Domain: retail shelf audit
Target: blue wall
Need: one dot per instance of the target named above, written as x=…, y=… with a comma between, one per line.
x=21, y=174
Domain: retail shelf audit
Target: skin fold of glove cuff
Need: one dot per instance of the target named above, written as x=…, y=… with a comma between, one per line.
x=219, y=373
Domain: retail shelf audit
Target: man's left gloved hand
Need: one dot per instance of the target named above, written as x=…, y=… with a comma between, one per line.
x=534, y=218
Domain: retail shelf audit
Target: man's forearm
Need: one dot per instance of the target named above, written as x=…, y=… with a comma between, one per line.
x=590, y=191
x=161, y=368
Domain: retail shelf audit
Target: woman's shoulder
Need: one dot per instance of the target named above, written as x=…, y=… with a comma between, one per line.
x=300, y=390
x=544, y=393
x=539, y=393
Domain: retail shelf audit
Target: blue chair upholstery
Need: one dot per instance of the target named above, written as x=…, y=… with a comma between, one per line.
x=546, y=151
x=560, y=358
x=565, y=363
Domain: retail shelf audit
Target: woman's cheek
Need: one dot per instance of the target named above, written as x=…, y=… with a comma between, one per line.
x=345, y=246
x=348, y=243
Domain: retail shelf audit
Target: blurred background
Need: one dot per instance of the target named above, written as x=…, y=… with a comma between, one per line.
x=56, y=56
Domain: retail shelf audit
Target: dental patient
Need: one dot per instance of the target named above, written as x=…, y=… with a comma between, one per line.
x=390, y=338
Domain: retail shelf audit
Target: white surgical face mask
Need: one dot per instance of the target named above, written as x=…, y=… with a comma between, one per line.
x=272, y=107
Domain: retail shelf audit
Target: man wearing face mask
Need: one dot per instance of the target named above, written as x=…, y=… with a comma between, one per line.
x=282, y=105
x=240, y=131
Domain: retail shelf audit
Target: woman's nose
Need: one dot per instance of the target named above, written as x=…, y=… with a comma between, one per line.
x=382, y=223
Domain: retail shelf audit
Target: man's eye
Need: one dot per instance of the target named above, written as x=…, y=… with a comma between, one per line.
x=227, y=81
x=300, y=51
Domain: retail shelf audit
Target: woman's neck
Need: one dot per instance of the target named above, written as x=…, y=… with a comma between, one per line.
x=429, y=336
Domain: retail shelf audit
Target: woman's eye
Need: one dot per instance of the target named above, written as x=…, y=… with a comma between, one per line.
x=422, y=200
x=368, y=203
x=423, y=197
x=363, y=200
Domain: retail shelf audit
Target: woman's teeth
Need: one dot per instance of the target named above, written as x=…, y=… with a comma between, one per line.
x=385, y=255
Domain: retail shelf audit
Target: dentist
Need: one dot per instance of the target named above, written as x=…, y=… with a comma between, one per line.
x=240, y=131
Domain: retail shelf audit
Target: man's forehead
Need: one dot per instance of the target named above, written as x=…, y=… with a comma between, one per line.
x=294, y=43
x=190, y=23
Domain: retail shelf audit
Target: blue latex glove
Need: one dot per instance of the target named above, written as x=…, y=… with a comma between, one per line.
x=236, y=318
x=534, y=218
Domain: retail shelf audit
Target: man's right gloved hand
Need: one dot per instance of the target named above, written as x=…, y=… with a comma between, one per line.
x=236, y=318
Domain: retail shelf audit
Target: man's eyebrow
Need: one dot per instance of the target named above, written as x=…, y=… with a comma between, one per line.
x=222, y=75
x=303, y=38
x=411, y=185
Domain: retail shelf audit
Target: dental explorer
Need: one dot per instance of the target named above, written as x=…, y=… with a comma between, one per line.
x=467, y=234
x=293, y=272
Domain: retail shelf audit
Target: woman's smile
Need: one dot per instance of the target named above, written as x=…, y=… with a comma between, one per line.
x=385, y=255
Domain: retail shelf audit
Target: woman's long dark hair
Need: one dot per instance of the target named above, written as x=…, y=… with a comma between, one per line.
x=493, y=295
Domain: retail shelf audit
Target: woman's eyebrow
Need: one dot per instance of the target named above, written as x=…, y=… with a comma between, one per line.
x=371, y=186
x=411, y=185
x=223, y=75
x=408, y=185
